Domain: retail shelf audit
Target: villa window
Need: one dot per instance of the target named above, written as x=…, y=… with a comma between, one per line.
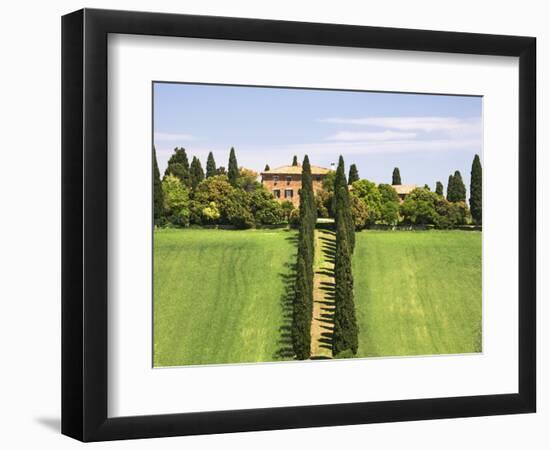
x=288, y=180
x=289, y=193
x=275, y=180
x=317, y=178
x=277, y=193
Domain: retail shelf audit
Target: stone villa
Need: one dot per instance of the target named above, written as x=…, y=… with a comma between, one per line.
x=285, y=182
x=403, y=190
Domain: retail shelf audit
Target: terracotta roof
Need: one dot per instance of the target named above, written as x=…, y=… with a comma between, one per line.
x=296, y=170
x=404, y=188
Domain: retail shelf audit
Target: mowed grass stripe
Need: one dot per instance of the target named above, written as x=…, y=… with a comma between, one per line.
x=218, y=294
x=418, y=293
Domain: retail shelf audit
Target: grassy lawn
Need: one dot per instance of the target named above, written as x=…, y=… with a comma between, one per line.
x=220, y=296
x=418, y=293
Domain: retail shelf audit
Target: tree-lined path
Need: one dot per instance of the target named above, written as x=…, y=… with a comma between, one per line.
x=322, y=322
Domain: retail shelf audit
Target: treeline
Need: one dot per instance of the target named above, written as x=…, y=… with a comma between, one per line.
x=373, y=204
x=187, y=195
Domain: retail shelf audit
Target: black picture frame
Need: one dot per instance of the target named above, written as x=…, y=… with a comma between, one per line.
x=84, y=224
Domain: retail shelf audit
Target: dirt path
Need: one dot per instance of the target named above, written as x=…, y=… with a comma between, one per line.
x=322, y=322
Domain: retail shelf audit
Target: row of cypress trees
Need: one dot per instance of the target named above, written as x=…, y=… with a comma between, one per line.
x=192, y=174
x=189, y=174
x=303, y=299
x=456, y=190
x=345, y=335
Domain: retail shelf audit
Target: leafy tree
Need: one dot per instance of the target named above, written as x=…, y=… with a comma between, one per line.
x=237, y=209
x=322, y=210
x=158, y=194
x=267, y=168
x=178, y=165
x=389, y=205
x=427, y=187
x=178, y=170
x=211, y=213
x=232, y=168
x=396, y=177
x=369, y=193
x=294, y=218
x=247, y=180
x=176, y=200
x=475, y=190
x=353, y=174
x=211, y=166
x=196, y=173
x=451, y=214
x=266, y=210
x=295, y=160
x=287, y=208
x=389, y=213
x=328, y=181
x=214, y=190
x=359, y=212
x=387, y=193
x=439, y=188
x=221, y=171
x=324, y=201
x=419, y=207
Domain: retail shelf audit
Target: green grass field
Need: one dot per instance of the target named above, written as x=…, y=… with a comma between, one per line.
x=220, y=296
x=418, y=293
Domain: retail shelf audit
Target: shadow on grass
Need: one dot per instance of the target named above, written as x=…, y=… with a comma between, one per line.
x=288, y=277
x=327, y=286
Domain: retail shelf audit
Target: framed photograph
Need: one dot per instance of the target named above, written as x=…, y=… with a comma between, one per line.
x=272, y=224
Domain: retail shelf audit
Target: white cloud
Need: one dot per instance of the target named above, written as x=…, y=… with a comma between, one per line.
x=363, y=147
x=368, y=136
x=174, y=137
x=428, y=124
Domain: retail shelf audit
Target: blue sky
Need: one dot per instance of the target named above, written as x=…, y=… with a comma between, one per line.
x=426, y=136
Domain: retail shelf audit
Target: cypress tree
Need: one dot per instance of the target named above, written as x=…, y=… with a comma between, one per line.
x=295, y=161
x=158, y=194
x=301, y=327
x=232, y=168
x=396, y=177
x=460, y=187
x=266, y=168
x=353, y=174
x=345, y=333
x=456, y=192
x=303, y=300
x=340, y=182
x=475, y=190
x=450, y=188
x=178, y=165
x=196, y=172
x=439, y=188
x=210, y=166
